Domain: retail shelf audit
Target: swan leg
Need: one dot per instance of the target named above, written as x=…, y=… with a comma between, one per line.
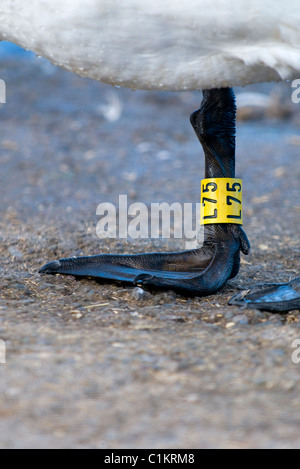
x=198, y=272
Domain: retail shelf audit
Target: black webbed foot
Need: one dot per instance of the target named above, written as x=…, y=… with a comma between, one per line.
x=199, y=272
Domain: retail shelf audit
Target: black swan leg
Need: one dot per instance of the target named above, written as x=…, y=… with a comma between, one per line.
x=198, y=272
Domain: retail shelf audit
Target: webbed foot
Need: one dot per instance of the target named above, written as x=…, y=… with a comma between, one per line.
x=199, y=272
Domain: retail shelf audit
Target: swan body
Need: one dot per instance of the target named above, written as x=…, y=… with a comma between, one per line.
x=162, y=44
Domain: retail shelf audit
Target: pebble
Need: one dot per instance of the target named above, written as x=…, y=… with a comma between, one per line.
x=76, y=314
x=14, y=252
x=139, y=294
x=230, y=324
x=241, y=319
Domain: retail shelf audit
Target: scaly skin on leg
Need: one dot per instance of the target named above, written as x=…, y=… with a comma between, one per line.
x=198, y=272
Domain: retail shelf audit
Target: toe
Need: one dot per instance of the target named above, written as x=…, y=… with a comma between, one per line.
x=51, y=268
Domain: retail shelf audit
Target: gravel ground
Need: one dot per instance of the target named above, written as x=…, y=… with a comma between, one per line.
x=92, y=365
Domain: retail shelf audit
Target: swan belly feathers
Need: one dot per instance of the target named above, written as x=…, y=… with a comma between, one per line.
x=162, y=44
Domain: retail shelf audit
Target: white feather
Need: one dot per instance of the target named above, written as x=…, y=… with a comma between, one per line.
x=161, y=44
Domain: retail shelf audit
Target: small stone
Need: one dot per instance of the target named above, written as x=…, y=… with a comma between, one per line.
x=14, y=252
x=263, y=247
x=130, y=176
x=76, y=314
x=9, y=145
x=163, y=155
x=139, y=294
x=230, y=324
x=241, y=319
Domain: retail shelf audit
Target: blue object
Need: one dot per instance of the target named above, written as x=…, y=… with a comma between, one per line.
x=8, y=49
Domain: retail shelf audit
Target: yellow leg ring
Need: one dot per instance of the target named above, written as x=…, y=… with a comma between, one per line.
x=221, y=201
